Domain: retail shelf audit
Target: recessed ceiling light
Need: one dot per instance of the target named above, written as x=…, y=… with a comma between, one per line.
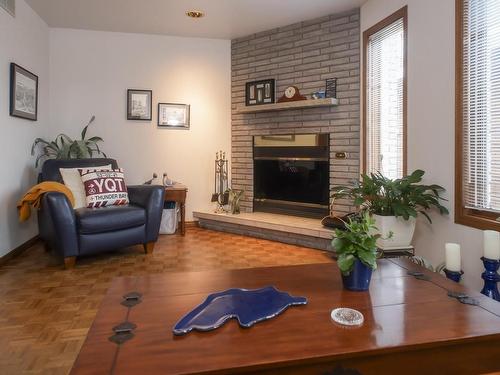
x=195, y=13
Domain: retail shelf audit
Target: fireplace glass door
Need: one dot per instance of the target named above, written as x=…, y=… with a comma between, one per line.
x=292, y=176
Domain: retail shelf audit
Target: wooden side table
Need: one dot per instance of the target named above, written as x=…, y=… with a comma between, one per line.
x=177, y=193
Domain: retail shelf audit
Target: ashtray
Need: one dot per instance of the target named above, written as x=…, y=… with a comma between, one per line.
x=347, y=317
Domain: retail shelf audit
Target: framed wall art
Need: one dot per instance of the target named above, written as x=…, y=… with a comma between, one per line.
x=260, y=92
x=331, y=88
x=23, y=93
x=139, y=104
x=173, y=115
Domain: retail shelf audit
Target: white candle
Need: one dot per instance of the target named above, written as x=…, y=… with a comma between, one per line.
x=491, y=244
x=453, y=259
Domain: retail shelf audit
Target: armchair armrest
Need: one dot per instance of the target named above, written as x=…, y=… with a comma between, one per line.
x=149, y=197
x=58, y=224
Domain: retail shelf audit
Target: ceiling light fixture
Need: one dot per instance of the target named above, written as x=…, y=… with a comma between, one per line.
x=195, y=13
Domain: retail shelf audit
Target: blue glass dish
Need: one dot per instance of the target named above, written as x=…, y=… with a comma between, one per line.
x=247, y=306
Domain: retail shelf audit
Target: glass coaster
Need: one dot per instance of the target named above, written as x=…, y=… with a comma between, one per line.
x=347, y=317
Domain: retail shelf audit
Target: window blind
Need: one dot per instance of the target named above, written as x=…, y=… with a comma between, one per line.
x=384, y=100
x=481, y=105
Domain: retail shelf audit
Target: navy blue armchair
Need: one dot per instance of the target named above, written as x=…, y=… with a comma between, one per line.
x=72, y=233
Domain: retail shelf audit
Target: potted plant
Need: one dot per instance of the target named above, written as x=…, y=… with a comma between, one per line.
x=394, y=204
x=234, y=200
x=63, y=147
x=356, y=249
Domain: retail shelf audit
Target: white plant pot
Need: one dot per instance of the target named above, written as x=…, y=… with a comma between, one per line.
x=402, y=231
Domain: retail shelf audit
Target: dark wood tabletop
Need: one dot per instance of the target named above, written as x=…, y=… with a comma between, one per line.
x=411, y=326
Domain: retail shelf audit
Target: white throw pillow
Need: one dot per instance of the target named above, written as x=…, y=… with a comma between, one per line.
x=73, y=181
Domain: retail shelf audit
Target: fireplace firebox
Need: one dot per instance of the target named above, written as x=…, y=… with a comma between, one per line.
x=292, y=174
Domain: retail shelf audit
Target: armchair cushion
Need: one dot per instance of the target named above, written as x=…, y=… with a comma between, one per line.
x=107, y=219
x=104, y=188
x=73, y=180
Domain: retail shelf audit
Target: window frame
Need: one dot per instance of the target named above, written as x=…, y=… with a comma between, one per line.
x=399, y=14
x=480, y=219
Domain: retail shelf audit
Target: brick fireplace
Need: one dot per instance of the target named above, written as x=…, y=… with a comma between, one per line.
x=303, y=54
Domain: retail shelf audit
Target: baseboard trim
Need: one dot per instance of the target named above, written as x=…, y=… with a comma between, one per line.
x=19, y=250
x=191, y=223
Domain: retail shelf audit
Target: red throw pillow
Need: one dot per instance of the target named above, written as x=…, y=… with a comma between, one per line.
x=104, y=187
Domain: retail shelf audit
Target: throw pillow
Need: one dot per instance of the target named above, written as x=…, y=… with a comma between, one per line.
x=104, y=188
x=73, y=181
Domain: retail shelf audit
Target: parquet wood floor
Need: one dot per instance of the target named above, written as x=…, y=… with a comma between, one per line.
x=46, y=311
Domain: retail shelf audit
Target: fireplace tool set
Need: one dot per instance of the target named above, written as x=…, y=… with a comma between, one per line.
x=224, y=195
x=221, y=191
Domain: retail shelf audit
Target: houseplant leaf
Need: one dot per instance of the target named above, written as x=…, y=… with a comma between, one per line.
x=64, y=147
x=403, y=197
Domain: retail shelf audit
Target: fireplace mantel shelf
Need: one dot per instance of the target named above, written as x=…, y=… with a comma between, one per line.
x=300, y=104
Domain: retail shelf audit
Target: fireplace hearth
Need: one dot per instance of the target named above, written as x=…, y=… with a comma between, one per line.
x=291, y=174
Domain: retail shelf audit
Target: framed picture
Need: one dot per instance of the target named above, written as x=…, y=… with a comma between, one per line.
x=139, y=105
x=260, y=92
x=172, y=115
x=23, y=93
x=331, y=88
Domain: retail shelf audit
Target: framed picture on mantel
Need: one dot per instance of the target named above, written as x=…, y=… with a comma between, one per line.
x=260, y=92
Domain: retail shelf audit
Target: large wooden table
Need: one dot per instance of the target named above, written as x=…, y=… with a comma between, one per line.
x=411, y=326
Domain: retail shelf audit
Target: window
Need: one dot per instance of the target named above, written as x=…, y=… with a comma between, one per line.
x=384, y=107
x=478, y=113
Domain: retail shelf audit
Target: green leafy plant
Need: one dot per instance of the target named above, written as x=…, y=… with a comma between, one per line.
x=403, y=197
x=358, y=241
x=63, y=147
x=234, y=200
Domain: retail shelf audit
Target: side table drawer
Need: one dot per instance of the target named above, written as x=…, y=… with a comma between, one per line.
x=175, y=195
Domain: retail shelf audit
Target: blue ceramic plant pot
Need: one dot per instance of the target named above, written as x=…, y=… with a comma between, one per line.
x=359, y=278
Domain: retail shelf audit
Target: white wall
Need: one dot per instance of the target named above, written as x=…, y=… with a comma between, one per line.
x=431, y=120
x=90, y=74
x=25, y=41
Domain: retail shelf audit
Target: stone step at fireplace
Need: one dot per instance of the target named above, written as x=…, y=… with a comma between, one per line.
x=301, y=231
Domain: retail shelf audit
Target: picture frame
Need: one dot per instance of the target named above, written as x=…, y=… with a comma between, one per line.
x=139, y=104
x=260, y=92
x=23, y=93
x=174, y=115
x=331, y=88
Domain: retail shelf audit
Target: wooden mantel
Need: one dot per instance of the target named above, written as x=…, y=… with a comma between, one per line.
x=300, y=104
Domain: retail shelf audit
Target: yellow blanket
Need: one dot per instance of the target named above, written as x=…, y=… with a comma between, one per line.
x=34, y=196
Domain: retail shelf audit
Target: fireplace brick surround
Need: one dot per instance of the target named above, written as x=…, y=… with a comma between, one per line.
x=302, y=54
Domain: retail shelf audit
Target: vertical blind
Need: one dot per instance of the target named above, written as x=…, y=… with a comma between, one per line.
x=481, y=104
x=384, y=100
